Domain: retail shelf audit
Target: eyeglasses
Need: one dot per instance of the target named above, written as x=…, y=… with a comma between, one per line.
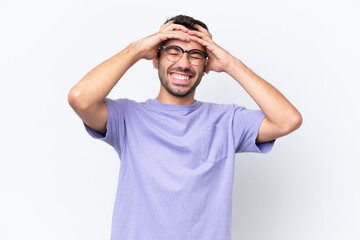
x=174, y=53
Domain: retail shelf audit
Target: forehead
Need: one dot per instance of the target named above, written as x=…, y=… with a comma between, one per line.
x=185, y=45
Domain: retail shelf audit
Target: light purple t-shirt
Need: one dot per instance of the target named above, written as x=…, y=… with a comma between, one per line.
x=177, y=165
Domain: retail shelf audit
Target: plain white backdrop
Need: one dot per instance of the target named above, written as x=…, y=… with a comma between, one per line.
x=57, y=183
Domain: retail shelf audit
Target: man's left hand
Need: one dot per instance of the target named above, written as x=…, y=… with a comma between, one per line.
x=219, y=59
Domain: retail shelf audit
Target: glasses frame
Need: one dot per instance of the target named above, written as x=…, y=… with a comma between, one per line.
x=162, y=47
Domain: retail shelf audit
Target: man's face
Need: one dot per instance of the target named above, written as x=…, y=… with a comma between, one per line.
x=180, y=78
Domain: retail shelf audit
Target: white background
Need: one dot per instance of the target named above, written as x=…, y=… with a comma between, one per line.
x=56, y=182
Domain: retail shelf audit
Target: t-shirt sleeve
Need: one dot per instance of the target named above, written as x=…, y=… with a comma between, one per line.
x=115, y=124
x=246, y=124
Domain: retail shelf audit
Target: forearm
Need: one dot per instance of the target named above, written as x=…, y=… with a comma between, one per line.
x=97, y=84
x=275, y=106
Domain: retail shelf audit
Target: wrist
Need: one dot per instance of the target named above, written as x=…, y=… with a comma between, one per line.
x=135, y=49
x=234, y=66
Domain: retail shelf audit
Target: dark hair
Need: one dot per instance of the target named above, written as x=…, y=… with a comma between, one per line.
x=187, y=22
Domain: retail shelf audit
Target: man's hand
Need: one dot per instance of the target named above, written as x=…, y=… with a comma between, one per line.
x=87, y=96
x=148, y=47
x=219, y=59
x=281, y=116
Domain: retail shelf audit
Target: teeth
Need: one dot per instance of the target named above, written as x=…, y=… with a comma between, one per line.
x=180, y=77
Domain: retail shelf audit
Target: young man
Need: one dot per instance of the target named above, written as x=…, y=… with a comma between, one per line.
x=177, y=154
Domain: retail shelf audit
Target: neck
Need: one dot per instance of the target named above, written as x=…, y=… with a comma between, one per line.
x=166, y=97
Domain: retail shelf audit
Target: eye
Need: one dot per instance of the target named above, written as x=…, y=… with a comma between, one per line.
x=196, y=55
x=173, y=51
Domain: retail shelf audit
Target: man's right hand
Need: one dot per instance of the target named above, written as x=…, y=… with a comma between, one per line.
x=87, y=96
x=149, y=46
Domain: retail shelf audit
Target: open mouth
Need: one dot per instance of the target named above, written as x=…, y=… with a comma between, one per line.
x=181, y=79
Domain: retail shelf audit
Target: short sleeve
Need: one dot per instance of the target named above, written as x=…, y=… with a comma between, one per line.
x=114, y=125
x=246, y=124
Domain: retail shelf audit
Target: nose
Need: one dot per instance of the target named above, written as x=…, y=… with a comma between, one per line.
x=184, y=61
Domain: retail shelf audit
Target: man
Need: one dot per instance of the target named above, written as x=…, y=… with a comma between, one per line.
x=177, y=154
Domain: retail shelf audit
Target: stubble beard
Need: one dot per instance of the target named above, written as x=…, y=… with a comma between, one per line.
x=178, y=92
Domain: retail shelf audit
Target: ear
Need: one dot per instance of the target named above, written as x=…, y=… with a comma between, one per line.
x=206, y=67
x=155, y=63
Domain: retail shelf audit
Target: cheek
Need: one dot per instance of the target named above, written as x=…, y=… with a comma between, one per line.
x=163, y=66
x=201, y=70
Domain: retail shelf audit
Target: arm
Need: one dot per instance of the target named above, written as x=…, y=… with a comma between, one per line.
x=281, y=117
x=87, y=96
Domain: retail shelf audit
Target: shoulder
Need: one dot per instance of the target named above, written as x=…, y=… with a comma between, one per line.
x=232, y=112
x=125, y=105
x=218, y=113
x=216, y=106
x=123, y=102
x=222, y=108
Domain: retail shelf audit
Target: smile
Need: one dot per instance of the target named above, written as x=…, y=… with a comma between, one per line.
x=180, y=79
x=179, y=76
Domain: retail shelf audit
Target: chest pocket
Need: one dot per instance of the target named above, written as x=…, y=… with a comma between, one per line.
x=214, y=143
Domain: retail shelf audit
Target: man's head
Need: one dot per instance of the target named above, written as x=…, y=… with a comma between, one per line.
x=187, y=22
x=181, y=77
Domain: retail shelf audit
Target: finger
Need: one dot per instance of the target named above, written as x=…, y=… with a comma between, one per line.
x=175, y=35
x=199, y=34
x=203, y=30
x=173, y=27
x=201, y=41
x=179, y=32
x=166, y=24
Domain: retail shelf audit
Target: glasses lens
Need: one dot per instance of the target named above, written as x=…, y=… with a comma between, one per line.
x=173, y=53
x=196, y=57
